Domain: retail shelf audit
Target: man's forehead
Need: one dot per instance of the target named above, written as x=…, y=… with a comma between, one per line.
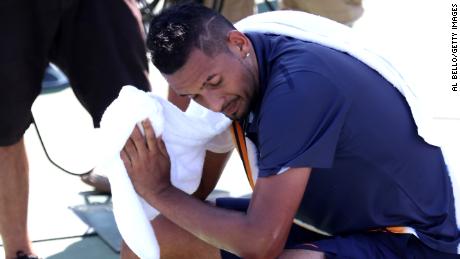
x=195, y=71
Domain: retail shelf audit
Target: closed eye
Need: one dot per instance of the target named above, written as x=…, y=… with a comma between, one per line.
x=214, y=85
x=213, y=82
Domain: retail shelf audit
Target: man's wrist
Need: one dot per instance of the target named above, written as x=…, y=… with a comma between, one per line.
x=155, y=196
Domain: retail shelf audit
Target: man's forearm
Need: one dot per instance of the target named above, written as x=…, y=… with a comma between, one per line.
x=224, y=229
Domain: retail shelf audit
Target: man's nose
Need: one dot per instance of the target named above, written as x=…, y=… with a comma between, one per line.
x=213, y=100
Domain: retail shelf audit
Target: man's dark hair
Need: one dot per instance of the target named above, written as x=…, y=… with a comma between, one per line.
x=177, y=30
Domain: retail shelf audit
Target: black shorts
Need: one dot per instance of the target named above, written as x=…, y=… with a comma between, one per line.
x=384, y=245
x=99, y=44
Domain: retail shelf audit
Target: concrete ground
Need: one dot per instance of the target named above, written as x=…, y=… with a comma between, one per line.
x=414, y=34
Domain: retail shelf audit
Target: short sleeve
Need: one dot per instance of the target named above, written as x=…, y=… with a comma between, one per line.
x=300, y=123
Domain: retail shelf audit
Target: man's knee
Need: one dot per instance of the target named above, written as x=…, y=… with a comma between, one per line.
x=176, y=242
x=126, y=252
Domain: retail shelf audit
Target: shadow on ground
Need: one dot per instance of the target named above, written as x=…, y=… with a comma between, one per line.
x=89, y=248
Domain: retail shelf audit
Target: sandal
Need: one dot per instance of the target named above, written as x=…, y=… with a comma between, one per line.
x=22, y=255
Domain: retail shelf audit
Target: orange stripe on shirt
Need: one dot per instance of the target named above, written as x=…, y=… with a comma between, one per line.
x=240, y=142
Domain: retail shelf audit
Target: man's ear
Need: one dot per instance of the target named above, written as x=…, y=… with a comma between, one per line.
x=238, y=43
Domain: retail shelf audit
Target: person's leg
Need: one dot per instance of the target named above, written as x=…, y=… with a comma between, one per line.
x=101, y=48
x=26, y=33
x=14, y=191
x=176, y=243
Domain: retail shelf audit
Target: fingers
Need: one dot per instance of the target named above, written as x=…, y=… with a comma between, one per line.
x=153, y=143
x=149, y=134
x=138, y=146
x=132, y=148
x=162, y=147
x=139, y=140
x=125, y=158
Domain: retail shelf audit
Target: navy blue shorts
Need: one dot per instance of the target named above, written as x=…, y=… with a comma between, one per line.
x=364, y=245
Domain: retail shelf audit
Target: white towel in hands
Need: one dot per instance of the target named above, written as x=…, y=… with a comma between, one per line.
x=187, y=136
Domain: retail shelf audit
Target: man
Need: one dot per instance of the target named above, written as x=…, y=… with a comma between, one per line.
x=98, y=44
x=338, y=152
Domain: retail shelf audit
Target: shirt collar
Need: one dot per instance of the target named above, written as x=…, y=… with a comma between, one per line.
x=249, y=122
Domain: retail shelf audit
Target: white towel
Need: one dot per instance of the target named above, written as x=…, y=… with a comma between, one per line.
x=187, y=136
x=334, y=35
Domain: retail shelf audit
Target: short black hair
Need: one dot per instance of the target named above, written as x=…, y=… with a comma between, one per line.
x=178, y=29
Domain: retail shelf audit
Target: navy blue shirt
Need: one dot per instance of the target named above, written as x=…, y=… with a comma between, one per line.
x=321, y=108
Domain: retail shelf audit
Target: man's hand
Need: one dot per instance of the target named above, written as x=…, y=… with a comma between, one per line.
x=147, y=161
